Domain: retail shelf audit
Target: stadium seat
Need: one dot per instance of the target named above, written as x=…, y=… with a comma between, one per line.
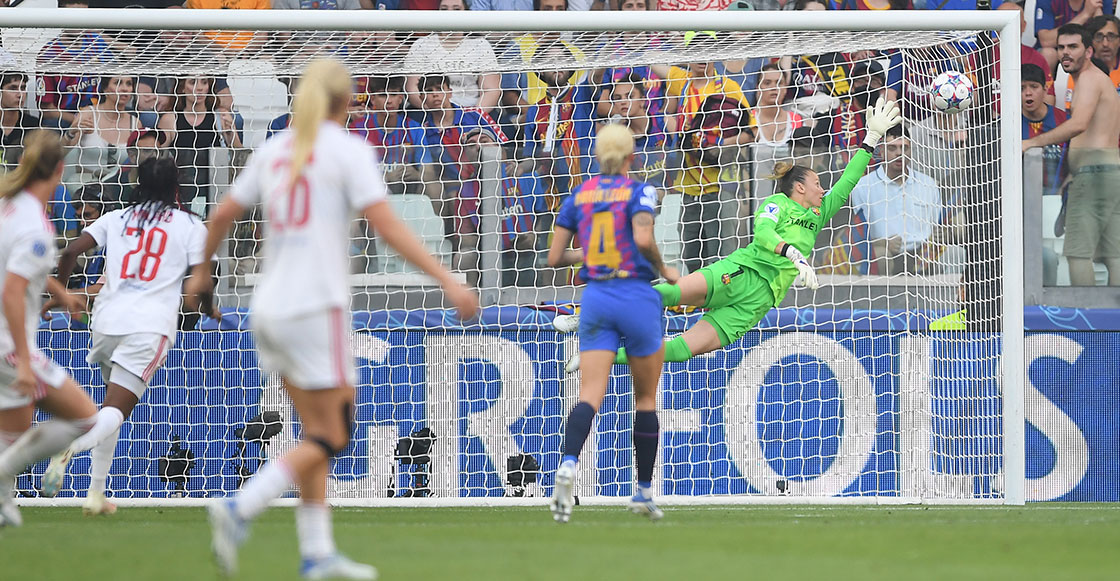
x=416, y=211
x=258, y=95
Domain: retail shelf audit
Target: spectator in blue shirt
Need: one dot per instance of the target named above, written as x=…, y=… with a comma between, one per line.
x=401, y=144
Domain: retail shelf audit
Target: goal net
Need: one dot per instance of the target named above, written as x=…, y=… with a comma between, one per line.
x=893, y=382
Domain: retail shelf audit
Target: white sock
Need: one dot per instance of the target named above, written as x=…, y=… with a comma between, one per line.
x=267, y=484
x=109, y=420
x=7, y=484
x=313, y=526
x=100, y=460
x=41, y=441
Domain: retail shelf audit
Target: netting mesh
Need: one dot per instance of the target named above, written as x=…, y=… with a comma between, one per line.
x=885, y=382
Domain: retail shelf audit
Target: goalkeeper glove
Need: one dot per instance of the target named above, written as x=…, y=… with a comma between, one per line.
x=879, y=119
x=805, y=274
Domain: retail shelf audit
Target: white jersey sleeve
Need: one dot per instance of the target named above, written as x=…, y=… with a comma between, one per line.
x=31, y=255
x=246, y=188
x=99, y=230
x=365, y=184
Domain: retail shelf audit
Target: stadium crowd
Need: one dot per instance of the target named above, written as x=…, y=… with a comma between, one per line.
x=707, y=131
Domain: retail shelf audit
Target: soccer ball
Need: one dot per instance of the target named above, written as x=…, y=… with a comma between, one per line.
x=951, y=92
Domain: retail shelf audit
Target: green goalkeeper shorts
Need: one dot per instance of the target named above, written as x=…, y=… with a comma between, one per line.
x=737, y=300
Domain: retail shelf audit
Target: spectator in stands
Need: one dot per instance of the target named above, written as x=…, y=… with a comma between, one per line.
x=61, y=96
x=902, y=207
x=520, y=90
x=445, y=124
x=316, y=5
x=847, y=130
x=714, y=123
x=776, y=124
x=870, y=5
x=550, y=5
x=401, y=144
x=15, y=120
x=457, y=49
x=1093, y=129
x=102, y=131
x=502, y=5
x=1050, y=15
x=519, y=200
x=136, y=3
x=88, y=207
x=142, y=144
x=559, y=132
x=281, y=122
x=243, y=43
x=197, y=124
x=939, y=148
x=1040, y=117
x=1028, y=55
x=636, y=102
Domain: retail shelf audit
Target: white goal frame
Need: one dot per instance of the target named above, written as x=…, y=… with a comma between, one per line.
x=1006, y=24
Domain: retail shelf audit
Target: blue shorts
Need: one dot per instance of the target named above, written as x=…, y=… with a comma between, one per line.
x=621, y=312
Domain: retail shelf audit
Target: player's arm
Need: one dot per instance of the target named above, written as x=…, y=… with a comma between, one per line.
x=69, y=259
x=642, y=224
x=1084, y=105
x=390, y=228
x=880, y=119
x=559, y=255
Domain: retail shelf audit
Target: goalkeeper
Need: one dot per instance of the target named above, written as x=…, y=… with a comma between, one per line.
x=740, y=289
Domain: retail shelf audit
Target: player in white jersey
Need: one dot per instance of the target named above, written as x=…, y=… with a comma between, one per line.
x=311, y=182
x=28, y=379
x=150, y=247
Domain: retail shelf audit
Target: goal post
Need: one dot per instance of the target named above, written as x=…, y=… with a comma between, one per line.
x=885, y=386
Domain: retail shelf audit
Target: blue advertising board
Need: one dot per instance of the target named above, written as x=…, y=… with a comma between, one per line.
x=814, y=402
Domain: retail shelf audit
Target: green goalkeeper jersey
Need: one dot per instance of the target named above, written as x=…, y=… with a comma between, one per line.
x=781, y=219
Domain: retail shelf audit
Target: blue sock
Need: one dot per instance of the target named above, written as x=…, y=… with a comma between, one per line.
x=577, y=429
x=646, y=431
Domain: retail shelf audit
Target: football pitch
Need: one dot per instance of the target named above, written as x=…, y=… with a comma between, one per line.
x=1041, y=541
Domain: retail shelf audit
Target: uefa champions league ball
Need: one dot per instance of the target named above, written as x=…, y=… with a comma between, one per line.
x=951, y=92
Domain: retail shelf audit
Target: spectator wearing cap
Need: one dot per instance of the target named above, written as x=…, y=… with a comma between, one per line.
x=142, y=145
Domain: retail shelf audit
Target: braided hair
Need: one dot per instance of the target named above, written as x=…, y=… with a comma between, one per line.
x=156, y=192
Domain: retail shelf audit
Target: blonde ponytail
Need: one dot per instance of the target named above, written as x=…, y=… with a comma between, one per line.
x=42, y=152
x=324, y=90
x=613, y=147
x=780, y=170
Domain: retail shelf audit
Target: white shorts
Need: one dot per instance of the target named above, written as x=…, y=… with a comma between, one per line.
x=311, y=351
x=46, y=371
x=138, y=354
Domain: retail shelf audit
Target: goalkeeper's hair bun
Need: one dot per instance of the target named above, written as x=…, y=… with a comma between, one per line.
x=787, y=174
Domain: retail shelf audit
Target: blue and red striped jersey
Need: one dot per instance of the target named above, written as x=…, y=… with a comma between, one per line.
x=600, y=213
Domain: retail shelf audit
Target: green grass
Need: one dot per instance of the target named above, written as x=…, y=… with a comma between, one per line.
x=1044, y=541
